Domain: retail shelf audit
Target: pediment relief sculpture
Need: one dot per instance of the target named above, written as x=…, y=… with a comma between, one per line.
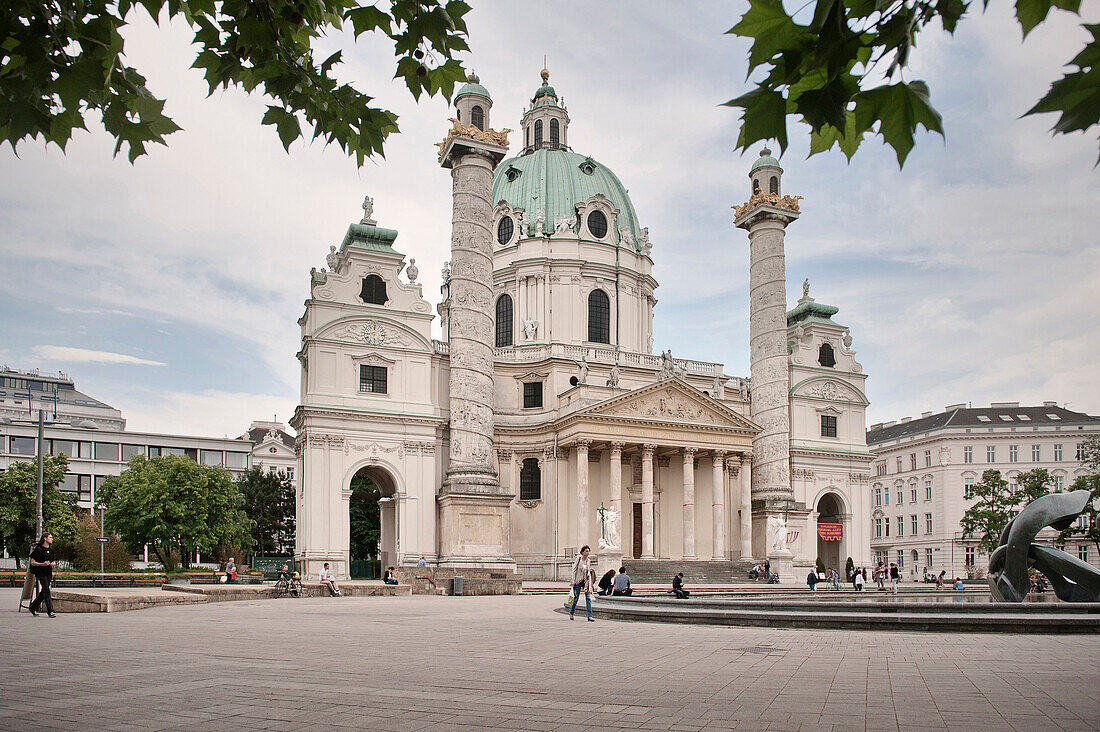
x=670, y=404
x=374, y=333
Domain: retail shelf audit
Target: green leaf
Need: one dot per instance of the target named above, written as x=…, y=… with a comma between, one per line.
x=1077, y=97
x=898, y=109
x=286, y=123
x=764, y=118
x=827, y=136
x=772, y=31
x=1031, y=13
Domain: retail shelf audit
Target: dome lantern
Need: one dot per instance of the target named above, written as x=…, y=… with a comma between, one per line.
x=766, y=175
x=473, y=103
x=546, y=121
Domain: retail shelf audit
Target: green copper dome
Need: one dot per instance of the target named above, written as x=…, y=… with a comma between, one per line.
x=555, y=181
x=473, y=86
x=765, y=160
x=545, y=91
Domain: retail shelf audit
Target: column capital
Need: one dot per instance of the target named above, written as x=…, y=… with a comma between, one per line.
x=689, y=453
x=617, y=449
x=504, y=454
x=746, y=457
x=582, y=445
x=719, y=457
x=647, y=450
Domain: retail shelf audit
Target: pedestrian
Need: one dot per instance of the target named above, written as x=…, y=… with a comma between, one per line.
x=939, y=579
x=328, y=579
x=857, y=580
x=959, y=584
x=811, y=580
x=767, y=571
x=622, y=583
x=41, y=561
x=678, y=587
x=605, y=583
x=583, y=579
x=895, y=576
x=880, y=576
x=231, y=572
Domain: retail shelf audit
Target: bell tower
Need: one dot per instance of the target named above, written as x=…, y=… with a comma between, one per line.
x=546, y=121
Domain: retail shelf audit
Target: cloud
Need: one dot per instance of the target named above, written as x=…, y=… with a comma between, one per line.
x=207, y=413
x=85, y=355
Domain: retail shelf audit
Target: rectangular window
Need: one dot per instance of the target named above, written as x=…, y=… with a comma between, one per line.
x=971, y=556
x=928, y=558
x=928, y=523
x=65, y=447
x=23, y=446
x=106, y=451
x=968, y=454
x=84, y=485
x=928, y=489
x=192, y=453
x=1057, y=453
x=532, y=394
x=69, y=484
x=1080, y=451
x=372, y=379
x=913, y=494
x=236, y=460
x=878, y=496
x=991, y=453
x=887, y=522
x=913, y=461
x=901, y=526
x=901, y=493
x=86, y=450
x=880, y=469
x=210, y=457
x=1083, y=552
x=913, y=524
x=927, y=458
x=128, y=451
x=154, y=452
x=165, y=451
x=290, y=473
x=901, y=558
x=1059, y=483
x=887, y=493
x=898, y=462
x=878, y=528
x=968, y=488
x=1013, y=454
x=828, y=425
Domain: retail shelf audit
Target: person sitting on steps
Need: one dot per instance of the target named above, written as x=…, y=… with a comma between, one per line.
x=328, y=579
x=390, y=578
x=678, y=587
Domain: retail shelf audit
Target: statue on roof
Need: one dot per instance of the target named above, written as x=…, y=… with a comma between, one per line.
x=332, y=258
x=805, y=288
x=368, y=211
x=540, y=220
x=643, y=242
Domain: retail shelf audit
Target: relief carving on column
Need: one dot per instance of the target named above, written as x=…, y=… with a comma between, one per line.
x=733, y=467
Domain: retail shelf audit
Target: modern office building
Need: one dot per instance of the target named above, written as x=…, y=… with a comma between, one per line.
x=924, y=469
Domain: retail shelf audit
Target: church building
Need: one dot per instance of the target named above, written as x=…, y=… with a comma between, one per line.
x=546, y=418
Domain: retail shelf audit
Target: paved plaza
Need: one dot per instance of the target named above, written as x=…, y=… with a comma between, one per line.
x=412, y=663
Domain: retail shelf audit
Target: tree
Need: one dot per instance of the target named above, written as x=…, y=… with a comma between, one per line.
x=998, y=501
x=62, y=61
x=365, y=518
x=1089, y=529
x=18, y=504
x=269, y=502
x=824, y=72
x=172, y=503
x=82, y=550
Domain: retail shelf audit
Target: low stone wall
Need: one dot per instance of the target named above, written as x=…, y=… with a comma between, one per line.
x=474, y=581
x=70, y=601
x=361, y=589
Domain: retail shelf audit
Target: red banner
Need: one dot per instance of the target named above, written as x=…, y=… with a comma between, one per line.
x=830, y=532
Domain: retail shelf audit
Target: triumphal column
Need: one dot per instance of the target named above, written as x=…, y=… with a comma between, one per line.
x=474, y=512
x=766, y=216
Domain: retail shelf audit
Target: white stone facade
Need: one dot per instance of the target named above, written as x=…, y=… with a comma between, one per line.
x=923, y=466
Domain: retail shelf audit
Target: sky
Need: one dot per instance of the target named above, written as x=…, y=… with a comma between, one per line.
x=171, y=288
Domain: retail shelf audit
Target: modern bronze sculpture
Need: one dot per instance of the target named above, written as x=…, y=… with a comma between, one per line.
x=1072, y=579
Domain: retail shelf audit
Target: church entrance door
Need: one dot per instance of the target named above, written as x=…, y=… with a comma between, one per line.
x=372, y=524
x=636, y=534
x=831, y=530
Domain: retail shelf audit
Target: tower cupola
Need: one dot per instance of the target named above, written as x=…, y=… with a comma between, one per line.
x=546, y=121
x=473, y=103
x=766, y=175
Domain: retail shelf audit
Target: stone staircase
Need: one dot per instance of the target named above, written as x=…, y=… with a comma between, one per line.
x=698, y=571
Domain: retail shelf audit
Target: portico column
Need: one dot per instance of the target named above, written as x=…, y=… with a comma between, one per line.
x=582, y=492
x=616, y=488
x=717, y=508
x=689, y=503
x=746, y=505
x=647, y=501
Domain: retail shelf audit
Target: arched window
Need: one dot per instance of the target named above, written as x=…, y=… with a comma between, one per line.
x=530, y=480
x=825, y=356
x=538, y=133
x=755, y=185
x=504, y=321
x=374, y=290
x=554, y=134
x=527, y=137
x=599, y=317
x=477, y=117
x=774, y=186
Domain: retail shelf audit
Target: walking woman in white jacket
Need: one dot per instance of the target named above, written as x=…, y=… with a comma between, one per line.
x=584, y=577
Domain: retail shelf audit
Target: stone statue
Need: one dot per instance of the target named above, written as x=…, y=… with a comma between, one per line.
x=643, y=242
x=777, y=531
x=649, y=344
x=609, y=527
x=530, y=329
x=1072, y=579
x=847, y=338
x=562, y=225
x=582, y=370
x=368, y=210
x=667, y=364
x=412, y=271
x=446, y=272
x=540, y=221
x=613, y=379
x=805, y=288
x=521, y=222
x=625, y=237
x=719, y=391
x=332, y=258
x=743, y=389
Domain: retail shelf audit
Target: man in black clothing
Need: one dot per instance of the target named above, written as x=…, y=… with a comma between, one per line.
x=678, y=587
x=41, y=561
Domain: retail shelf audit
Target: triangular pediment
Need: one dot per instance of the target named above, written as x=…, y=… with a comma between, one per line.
x=672, y=401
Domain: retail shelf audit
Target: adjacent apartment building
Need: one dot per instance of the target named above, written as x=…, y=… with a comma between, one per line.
x=924, y=468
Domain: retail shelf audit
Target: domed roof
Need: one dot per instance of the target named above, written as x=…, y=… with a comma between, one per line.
x=544, y=92
x=556, y=181
x=473, y=86
x=765, y=160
